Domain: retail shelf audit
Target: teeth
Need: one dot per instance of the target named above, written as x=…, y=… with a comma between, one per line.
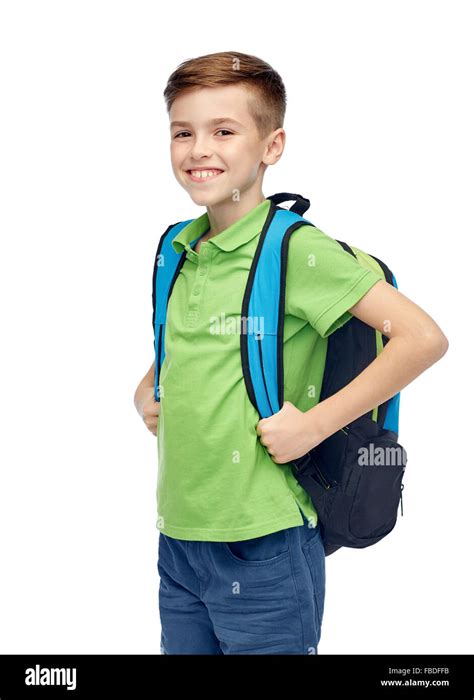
x=204, y=173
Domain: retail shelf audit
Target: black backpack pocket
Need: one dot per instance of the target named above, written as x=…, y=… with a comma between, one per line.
x=375, y=489
x=354, y=479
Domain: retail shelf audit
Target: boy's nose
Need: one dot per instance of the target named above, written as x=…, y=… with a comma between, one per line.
x=200, y=148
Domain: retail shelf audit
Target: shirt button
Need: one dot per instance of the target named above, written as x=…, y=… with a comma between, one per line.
x=197, y=290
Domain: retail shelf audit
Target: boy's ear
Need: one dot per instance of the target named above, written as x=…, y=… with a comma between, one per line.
x=275, y=146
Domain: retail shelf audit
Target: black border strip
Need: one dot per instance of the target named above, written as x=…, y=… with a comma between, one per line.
x=347, y=248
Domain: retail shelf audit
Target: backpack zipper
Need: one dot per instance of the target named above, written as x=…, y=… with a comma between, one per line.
x=325, y=483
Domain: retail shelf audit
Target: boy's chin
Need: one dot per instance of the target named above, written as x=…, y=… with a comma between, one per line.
x=208, y=199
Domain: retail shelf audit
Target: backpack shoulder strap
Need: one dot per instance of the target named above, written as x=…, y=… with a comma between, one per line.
x=263, y=318
x=166, y=268
x=263, y=309
x=387, y=414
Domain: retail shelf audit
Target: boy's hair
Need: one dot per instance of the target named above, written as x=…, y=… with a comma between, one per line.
x=267, y=101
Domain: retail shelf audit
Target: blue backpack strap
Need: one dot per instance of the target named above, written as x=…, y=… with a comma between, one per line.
x=263, y=309
x=165, y=271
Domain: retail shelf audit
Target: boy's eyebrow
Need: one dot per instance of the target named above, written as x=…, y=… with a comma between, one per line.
x=218, y=120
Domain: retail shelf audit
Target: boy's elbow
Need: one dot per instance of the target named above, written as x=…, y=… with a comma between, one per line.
x=436, y=345
x=443, y=346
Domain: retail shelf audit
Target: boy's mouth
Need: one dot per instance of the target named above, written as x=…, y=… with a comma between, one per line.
x=203, y=174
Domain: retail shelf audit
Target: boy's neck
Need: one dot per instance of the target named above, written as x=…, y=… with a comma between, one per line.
x=226, y=213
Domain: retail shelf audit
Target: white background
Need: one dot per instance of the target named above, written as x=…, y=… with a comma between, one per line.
x=379, y=137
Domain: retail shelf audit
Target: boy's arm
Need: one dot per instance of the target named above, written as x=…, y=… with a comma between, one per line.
x=147, y=382
x=415, y=343
x=144, y=400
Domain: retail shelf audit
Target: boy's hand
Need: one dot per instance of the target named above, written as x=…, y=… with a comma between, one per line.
x=148, y=408
x=288, y=434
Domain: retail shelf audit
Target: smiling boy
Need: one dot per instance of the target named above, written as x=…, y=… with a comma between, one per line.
x=241, y=560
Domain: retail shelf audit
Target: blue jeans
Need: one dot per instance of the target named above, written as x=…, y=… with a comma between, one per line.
x=259, y=596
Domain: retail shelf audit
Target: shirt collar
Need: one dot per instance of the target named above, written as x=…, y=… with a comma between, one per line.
x=240, y=232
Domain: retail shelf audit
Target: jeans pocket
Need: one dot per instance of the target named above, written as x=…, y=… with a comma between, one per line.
x=260, y=551
x=314, y=553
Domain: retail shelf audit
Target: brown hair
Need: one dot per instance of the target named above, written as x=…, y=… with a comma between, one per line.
x=267, y=104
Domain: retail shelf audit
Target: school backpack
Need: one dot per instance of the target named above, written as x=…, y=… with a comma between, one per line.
x=354, y=477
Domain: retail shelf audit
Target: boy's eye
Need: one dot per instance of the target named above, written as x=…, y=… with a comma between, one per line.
x=186, y=133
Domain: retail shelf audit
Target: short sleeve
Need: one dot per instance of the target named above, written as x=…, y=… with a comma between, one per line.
x=323, y=280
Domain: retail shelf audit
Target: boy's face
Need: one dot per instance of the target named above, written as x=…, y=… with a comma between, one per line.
x=233, y=146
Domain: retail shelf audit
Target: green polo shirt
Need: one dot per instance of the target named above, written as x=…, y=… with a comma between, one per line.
x=216, y=481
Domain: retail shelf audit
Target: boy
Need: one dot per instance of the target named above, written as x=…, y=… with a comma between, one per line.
x=241, y=561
